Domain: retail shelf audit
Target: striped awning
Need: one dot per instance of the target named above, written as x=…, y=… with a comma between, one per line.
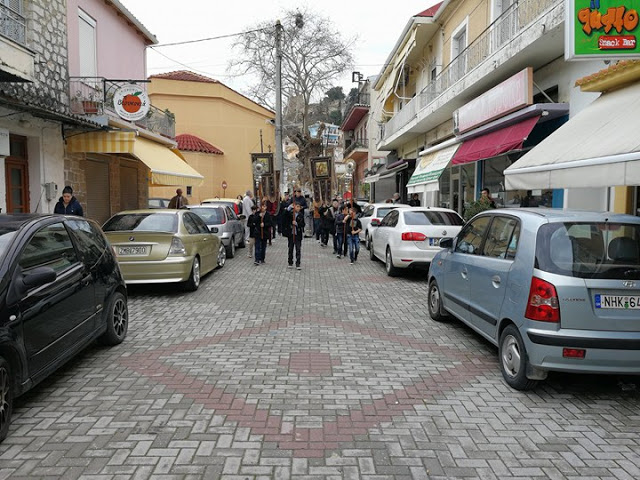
x=167, y=166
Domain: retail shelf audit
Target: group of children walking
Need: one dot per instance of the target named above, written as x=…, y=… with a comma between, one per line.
x=338, y=220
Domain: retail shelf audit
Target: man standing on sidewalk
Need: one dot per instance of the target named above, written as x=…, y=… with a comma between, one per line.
x=247, y=203
x=293, y=227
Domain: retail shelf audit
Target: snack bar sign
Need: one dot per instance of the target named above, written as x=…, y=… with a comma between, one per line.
x=131, y=102
x=606, y=29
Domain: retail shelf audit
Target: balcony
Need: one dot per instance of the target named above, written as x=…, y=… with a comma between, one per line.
x=508, y=44
x=94, y=96
x=355, y=111
x=357, y=150
x=18, y=62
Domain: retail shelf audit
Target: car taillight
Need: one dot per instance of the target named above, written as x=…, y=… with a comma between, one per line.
x=177, y=247
x=543, y=303
x=414, y=237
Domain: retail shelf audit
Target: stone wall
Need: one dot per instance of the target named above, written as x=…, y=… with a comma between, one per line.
x=47, y=37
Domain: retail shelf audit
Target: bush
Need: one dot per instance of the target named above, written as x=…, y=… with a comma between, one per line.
x=476, y=207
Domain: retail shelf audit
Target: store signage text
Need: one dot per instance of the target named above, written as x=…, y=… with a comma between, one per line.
x=131, y=103
x=513, y=94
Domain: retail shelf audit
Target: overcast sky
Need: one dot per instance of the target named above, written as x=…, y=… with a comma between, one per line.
x=377, y=29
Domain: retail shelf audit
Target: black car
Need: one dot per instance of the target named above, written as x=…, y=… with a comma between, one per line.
x=60, y=290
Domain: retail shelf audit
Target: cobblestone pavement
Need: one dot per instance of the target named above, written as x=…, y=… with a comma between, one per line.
x=334, y=371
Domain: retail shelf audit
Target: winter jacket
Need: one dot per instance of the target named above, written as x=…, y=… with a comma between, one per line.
x=257, y=231
x=74, y=207
x=287, y=224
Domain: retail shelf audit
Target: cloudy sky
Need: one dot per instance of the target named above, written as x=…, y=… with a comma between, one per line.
x=377, y=30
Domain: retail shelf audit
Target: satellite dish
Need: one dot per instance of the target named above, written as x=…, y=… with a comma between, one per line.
x=258, y=168
x=350, y=167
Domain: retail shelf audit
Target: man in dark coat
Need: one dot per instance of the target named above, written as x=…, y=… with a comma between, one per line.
x=293, y=229
x=68, y=204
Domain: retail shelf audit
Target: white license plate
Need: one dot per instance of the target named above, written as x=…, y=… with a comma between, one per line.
x=434, y=242
x=622, y=302
x=132, y=250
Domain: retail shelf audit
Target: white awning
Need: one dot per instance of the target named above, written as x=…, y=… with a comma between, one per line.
x=371, y=179
x=430, y=166
x=599, y=147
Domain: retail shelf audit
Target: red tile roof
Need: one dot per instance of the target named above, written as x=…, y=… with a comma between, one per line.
x=191, y=143
x=606, y=72
x=431, y=11
x=185, y=76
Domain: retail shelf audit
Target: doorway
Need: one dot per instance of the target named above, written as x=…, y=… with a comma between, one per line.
x=17, y=175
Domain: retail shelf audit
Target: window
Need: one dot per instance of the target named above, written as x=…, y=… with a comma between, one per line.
x=470, y=238
x=200, y=225
x=90, y=240
x=211, y=216
x=87, y=44
x=391, y=219
x=189, y=188
x=434, y=74
x=432, y=218
x=499, y=238
x=190, y=224
x=459, y=41
x=142, y=222
x=231, y=214
x=49, y=247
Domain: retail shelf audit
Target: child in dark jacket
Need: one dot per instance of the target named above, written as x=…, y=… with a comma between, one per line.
x=293, y=229
x=260, y=224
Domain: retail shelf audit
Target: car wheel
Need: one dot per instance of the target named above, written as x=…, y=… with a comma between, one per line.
x=231, y=251
x=514, y=360
x=436, y=312
x=193, y=282
x=117, y=321
x=367, y=241
x=6, y=398
x=222, y=256
x=388, y=264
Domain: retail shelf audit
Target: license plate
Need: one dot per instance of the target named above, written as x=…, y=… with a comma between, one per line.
x=434, y=242
x=622, y=302
x=132, y=250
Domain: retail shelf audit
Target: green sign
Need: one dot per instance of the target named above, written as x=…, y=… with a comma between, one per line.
x=606, y=29
x=430, y=166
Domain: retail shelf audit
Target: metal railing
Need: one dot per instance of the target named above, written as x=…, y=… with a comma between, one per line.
x=356, y=143
x=504, y=29
x=94, y=96
x=13, y=24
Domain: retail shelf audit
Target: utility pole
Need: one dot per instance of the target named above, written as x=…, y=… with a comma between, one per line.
x=279, y=154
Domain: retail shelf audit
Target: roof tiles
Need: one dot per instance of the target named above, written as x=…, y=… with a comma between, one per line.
x=191, y=143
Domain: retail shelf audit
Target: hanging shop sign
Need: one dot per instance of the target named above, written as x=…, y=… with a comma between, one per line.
x=606, y=29
x=131, y=102
x=513, y=94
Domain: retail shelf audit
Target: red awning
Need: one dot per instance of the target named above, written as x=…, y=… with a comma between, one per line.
x=494, y=143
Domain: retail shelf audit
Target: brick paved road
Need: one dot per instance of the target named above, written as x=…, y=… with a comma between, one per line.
x=331, y=372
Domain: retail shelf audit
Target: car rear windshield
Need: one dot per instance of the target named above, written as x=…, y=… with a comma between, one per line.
x=142, y=222
x=382, y=211
x=589, y=250
x=432, y=218
x=211, y=216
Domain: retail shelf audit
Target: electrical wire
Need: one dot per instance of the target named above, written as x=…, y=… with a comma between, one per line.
x=209, y=38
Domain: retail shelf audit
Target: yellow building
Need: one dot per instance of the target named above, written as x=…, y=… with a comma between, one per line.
x=226, y=120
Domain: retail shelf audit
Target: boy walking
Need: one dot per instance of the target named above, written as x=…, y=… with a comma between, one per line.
x=354, y=227
x=293, y=228
x=341, y=230
x=262, y=232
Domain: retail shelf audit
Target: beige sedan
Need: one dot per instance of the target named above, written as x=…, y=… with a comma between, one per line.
x=164, y=246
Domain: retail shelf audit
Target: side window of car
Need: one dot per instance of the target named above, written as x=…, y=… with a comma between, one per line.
x=231, y=214
x=367, y=211
x=470, y=237
x=393, y=218
x=499, y=238
x=201, y=227
x=49, y=247
x=190, y=224
x=89, y=238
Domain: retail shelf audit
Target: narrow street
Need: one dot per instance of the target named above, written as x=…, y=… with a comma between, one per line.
x=334, y=371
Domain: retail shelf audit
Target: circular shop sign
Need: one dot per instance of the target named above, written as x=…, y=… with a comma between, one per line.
x=131, y=102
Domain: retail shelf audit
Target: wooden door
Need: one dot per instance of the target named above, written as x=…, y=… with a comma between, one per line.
x=17, y=176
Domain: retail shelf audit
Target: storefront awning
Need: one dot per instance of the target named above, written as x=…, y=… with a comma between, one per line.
x=167, y=167
x=431, y=165
x=495, y=143
x=598, y=147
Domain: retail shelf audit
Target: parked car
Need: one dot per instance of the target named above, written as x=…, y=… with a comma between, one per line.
x=234, y=203
x=554, y=290
x=222, y=221
x=374, y=213
x=409, y=237
x=158, y=246
x=61, y=290
x=159, y=202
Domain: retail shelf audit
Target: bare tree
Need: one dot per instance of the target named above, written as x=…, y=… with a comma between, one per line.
x=314, y=55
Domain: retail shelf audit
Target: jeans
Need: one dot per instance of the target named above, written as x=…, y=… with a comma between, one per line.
x=261, y=249
x=298, y=247
x=354, y=246
x=316, y=227
x=338, y=241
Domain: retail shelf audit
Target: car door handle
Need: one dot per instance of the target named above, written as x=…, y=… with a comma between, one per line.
x=464, y=273
x=496, y=280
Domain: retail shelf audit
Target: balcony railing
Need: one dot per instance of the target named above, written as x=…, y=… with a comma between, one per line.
x=506, y=27
x=357, y=143
x=94, y=96
x=13, y=24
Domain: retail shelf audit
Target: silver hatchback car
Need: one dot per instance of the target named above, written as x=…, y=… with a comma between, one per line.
x=223, y=221
x=553, y=289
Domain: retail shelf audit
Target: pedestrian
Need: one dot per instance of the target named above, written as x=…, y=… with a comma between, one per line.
x=415, y=200
x=284, y=203
x=317, y=219
x=293, y=226
x=68, y=204
x=272, y=210
x=354, y=227
x=395, y=198
x=251, y=222
x=333, y=212
x=239, y=204
x=341, y=228
x=299, y=198
x=486, y=197
x=247, y=203
x=261, y=223
x=178, y=201
x=326, y=223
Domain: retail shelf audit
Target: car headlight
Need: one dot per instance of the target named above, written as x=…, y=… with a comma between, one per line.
x=177, y=247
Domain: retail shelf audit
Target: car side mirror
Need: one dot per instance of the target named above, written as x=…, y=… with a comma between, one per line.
x=375, y=222
x=446, y=242
x=242, y=217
